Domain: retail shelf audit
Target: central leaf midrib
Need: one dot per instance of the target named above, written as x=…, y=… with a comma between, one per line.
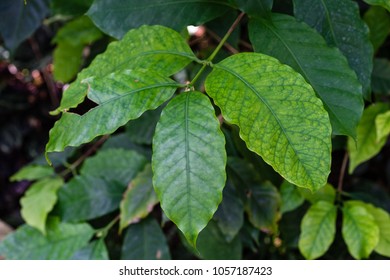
x=320, y=226
x=187, y=151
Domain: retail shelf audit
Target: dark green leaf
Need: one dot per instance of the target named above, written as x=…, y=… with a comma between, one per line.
x=383, y=3
x=60, y=243
x=378, y=21
x=318, y=230
x=256, y=8
x=188, y=162
x=323, y=67
x=95, y=250
x=290, y=196
x=381, y=76
x=139, y=199
x=114, y=165
x=32, y=172
x=128, y=14
x=70, y=7
x=339, y=22
x=279, y=116
x=145, y=241
x=88, y=197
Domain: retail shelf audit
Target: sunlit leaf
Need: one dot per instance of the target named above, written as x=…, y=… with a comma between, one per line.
x=32, y=172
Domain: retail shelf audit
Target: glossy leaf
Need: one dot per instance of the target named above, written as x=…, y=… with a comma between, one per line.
x=381, y=76
x=213, y=246
x=145, y=241
x=32, y=172
x=367, y=145
x=128, y=14
x=262, y=206
x=162, y=49
x=290, y=196
x=324, y=68
x=123, y=165
x=139, y=199
x=188, y=162
x=378, y=21
x=256, y=8
x=382, y=124
x=360, y=232
x=19, y=20
x=95, y=250
x=339, y=22
x=318, y=229
x=326, y=193
x=383, y=3
x=279, y=116
x=88, y=197
x=139, y=90
x=60, y=243
x=39, y=200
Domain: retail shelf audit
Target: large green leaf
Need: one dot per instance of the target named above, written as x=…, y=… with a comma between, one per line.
x=382, y=124
x=60, y=243
x=128, y=93
x=19, y=20
x=318, y=229
x=257, y=8
x=96, y=250
x=39, y=200
x=378, y=21
x=145, y=241
x=123, y=165
x=290, y=196
x=279, y=116
x=32, y=172
x=384, y=3
x=339, y=22
x=367, y=144
x=70, y=7
x=381, y=76
x=88, y=197
x=139, y=199
x=323, y=67
x=117, y=17
x=360, y=232
x=162, y=49
x=189, y=161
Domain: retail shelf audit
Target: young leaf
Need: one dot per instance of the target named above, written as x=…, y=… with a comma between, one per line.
x=290, y=196
x=87, y=197
x=323, y=67
x=367, y=144
x=188, y=162
x=339, y=22
x=318, y=229
x=39, y=200
x=128, y=93
x=60, y=243
x=129, y=14
x=383, y=3
x=139, y=199
x=382, y=124
x=123, y=165
x=145, y=241
x=326, y=193
x=95, y=250
x=381, y=76
x=279, y=116
x=378, y=21
x=32, y=172
x=360, y=232
x=161, y=49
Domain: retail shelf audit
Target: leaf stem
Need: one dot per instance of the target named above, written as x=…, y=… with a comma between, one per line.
x=102, y=233
x=341, y=176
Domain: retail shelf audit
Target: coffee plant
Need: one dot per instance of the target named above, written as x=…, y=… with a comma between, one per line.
x=213, y=151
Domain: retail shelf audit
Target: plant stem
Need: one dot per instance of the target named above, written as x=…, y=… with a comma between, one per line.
x=341, y=176
x=102, y=233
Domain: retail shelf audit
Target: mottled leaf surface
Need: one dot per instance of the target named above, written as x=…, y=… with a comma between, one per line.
x=279, y=116
x=188, y=162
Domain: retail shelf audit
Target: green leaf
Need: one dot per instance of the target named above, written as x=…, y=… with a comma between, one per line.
x=360, y=232
x=70, y=7
x=381, y=76
x=367, y=145
x=71, y=40
x=145, y=241
x=318, y=229
x=262, y=206
x=188, y=162
x=123, y=165
x=326, y=193
x=212, y=245
x=161, y=48
x=95, y=250
x=279, y=116
x=32, y=172
x=290, y=196
x=383, y=3
x=139, y=199
x=129, y=14
x=378, y=21
x=19, y=21
x=88, y=197
x=230, y=213
x=140, y=91
x=256, y=8
x=339, y=22
x=60, y=243
x=324, y=68
x=39, y=200
x=382, y=124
